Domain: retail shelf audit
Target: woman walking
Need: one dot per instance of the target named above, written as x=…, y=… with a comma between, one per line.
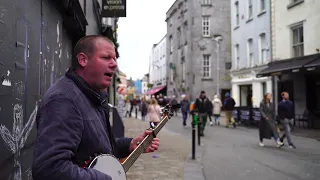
x=154, y=113
x=267, y=126
x=217, y=104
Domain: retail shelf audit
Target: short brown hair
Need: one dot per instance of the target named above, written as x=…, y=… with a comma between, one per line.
x=86, y=45
x=283, y=93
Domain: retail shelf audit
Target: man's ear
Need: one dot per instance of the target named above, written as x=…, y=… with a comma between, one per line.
x=82, y=59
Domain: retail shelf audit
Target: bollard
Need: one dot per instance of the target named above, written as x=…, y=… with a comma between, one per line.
x=194, y=122
x=196, y=116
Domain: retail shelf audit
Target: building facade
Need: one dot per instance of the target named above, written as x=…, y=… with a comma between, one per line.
x=251, y=50
x=144, y=84
x=296, y=56
x=198, y=48
x=158, y=74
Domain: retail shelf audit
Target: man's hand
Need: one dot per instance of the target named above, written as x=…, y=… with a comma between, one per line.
x=136, y=141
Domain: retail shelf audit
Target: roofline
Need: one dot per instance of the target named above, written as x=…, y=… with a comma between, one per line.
x=172, y=6
x=155, y=45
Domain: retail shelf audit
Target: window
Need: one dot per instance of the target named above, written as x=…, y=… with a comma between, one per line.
x=264, y=88
x=262, y=48
x=171, y=73
x=206, y=26
x=206, y=2
x=183, y=69
x=250, y=53
x=297, y=41
x=171, y=44
x=237, y=13
x=237, y=57
x=185, y=25
x=262, y=5
x=250, y=9
x=206, y=66
x=178, y=36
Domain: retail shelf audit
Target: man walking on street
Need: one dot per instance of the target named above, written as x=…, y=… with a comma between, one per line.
x=286, y=115
x=229, y=104
x=184, y=109
x=202, y=107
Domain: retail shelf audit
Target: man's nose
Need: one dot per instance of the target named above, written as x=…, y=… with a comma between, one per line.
x=113, y=64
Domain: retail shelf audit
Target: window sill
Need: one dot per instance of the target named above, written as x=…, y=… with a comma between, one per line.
x=235, y=28
x=249, y=20
x=207, y=79
x=293, y=4
x=206, y=5
x=261, y=13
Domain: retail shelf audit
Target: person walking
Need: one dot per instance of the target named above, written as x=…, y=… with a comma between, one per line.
x=217, y=104
x=286, y=115
x=184, y=109
x=267, y=126
x=229, y=104
x=144, y=109
x=154, y=113
x=202, y=108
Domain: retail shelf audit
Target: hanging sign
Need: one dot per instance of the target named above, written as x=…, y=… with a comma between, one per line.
x=113, y=8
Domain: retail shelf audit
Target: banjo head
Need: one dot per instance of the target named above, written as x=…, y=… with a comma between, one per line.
x=109, y=165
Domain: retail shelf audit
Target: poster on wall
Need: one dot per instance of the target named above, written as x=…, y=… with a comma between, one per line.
x=114, y=8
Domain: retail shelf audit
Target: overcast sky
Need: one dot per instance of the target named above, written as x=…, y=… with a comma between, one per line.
x=144, y=26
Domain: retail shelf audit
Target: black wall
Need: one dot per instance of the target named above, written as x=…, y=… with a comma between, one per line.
x=35, y=50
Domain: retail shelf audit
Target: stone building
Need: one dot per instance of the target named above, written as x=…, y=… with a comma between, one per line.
x=198, y=33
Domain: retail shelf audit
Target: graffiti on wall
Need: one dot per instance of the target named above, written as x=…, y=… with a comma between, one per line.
x=15, y=139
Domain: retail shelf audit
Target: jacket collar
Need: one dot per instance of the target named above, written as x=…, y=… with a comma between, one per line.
x=97, y=97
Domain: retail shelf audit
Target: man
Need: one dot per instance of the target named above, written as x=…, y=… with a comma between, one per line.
x=184, y=109
x=202, y=108
x=73, y=122
x=286, y=115
x=229, y=104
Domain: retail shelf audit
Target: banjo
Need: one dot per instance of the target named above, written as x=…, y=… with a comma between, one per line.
x=110, y=165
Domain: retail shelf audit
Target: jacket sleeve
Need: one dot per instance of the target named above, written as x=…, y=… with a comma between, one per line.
x=59, y=134
x=261, y=108
x=123, y=146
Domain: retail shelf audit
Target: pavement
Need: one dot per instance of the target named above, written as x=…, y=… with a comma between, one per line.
x=228, y=153
x=172, y=156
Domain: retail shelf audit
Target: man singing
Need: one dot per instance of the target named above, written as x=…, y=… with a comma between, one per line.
x=73, y=121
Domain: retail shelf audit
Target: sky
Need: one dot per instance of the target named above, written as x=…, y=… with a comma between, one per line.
x=144, y=26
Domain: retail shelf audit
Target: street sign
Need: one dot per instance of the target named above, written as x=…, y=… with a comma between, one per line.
x=114, y=8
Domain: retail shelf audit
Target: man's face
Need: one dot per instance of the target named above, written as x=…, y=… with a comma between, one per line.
x=203, y=95
x=286, y=96
x=101, y=65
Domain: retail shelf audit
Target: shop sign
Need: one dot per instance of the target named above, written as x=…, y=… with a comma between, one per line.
x=114, y=8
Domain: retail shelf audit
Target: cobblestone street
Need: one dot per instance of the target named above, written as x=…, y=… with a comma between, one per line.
x=169, y=165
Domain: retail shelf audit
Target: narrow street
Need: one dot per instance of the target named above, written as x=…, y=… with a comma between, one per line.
x=235, y=154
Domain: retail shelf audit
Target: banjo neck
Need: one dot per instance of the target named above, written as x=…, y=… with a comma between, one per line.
x=144, y=144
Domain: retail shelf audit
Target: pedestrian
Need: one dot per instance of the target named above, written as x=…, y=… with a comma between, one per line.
x=201, y=107
x=144, y=109
x=184, y=105
x=229, y=104
x=154, y=113
x=210, y=108
x=286, y=116
x=267, y=124
x=73, y=119
x=217, y=105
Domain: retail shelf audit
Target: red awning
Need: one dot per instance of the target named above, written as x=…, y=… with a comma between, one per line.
x=155, y=90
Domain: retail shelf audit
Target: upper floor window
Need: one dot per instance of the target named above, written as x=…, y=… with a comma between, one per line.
x=236, y=57
x=297, y=41
x=250, y=10
x=206, y=2
x=178, y=36
x=171, y=44
x=237, y=20
x=263, y=48
x=262, y=5
x=250, y=53
x=206, y=66
x=206, y=26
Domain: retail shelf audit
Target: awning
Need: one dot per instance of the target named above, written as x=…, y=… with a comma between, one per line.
x=313, y=64
x=287, y=65
x=155, y=90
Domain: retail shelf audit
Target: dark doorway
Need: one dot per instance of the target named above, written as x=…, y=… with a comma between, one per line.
x=246, y=95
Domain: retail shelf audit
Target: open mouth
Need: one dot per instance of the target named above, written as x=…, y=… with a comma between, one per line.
x=109, y=74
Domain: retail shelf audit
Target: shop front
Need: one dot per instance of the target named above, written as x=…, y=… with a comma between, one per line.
x=300, y=77
x=247, y=89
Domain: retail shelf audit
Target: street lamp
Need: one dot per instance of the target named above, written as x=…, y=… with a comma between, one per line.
x=218, y=39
